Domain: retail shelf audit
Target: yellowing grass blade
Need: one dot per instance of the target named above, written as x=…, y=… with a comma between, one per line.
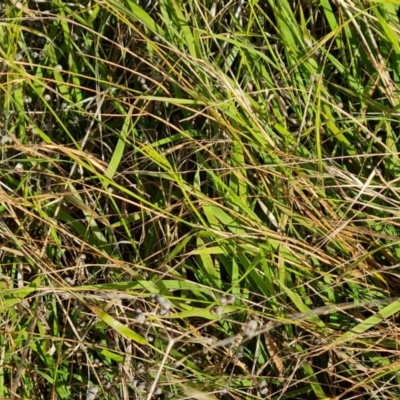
x=120, y=328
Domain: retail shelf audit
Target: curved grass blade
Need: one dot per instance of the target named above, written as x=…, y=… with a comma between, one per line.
x=120, y=328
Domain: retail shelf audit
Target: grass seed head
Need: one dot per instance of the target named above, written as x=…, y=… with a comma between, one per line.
x=139, y=317
x=230, y=298
x=158, y=391
x=92, y=392
x=167, y=305
x=5, y=139
x=159, y=299
x=163, y=311
x=150, y=338
x=251, y=327
x=140, y=368
x=264, y=391
x=19, y=167
x=216, y=311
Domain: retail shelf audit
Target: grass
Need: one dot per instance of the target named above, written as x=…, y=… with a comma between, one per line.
x=199, y=200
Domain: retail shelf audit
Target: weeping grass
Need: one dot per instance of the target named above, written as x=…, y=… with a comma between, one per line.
x=199, y=200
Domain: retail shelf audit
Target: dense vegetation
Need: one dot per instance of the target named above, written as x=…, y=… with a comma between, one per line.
x=199, y=199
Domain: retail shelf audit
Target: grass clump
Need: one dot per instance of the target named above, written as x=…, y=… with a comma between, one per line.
x=199, y=200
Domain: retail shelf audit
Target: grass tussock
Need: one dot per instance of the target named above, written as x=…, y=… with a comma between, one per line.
x=199, y=199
